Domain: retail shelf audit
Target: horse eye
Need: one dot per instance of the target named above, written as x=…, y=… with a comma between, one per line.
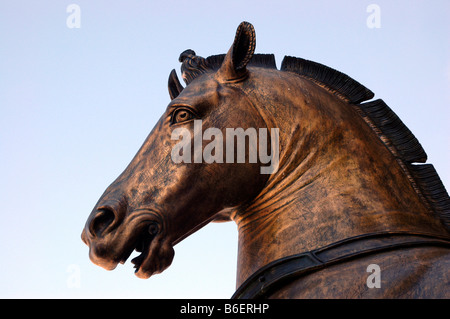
x=182, y=116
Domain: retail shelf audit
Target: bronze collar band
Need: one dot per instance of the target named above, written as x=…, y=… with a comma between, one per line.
x=281, y=271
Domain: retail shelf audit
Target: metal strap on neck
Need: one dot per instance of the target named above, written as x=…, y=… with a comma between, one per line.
x=265, y=280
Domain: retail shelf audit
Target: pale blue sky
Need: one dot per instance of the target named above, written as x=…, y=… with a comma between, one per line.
x=76, y=104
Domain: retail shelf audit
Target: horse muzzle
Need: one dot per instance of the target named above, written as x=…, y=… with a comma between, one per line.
x=112, y=239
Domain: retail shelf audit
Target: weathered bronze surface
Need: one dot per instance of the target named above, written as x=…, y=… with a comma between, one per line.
x=346, y=193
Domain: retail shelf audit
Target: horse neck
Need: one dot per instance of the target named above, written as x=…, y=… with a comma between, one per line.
x=335, y=180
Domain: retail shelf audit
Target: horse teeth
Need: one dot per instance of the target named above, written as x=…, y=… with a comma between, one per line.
x=137, y=262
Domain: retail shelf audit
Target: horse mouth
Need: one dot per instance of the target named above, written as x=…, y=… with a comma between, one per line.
x=156, y=252
x=143, y=247
x=155, y=248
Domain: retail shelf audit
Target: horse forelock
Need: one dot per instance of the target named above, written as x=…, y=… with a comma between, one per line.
x=193, y=66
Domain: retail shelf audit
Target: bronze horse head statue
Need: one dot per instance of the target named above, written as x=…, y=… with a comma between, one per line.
x=345, y=190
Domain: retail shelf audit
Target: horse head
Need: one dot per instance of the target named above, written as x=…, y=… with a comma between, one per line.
x=163, y=196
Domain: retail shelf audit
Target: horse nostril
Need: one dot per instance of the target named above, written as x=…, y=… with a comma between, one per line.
x=101, y=221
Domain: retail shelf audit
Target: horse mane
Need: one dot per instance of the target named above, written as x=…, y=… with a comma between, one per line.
x=400, y=141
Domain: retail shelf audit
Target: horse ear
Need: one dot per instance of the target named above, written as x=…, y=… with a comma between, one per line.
x=174, y=85
x=233, y=68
